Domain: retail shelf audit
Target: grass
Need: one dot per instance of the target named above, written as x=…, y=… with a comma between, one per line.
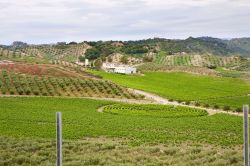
x=233, y=103
x=181, y=86
x=35, y=118
x=106, y=151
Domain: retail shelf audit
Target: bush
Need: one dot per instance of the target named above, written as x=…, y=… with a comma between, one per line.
x=238, y=110
x=3, y=91
x=226, y=108
x=197, y=104
x=216, y=107
x=36, y=92
x=206, y=105
x=179, y=101
x=44, y=94
x=12, y=92
x=20, y=91
x=187, y=102
x=171, y=100
x=27, y=91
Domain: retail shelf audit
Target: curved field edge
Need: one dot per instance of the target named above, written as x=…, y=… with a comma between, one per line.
x=35, y=118
x=153, y=111
x=181, y=86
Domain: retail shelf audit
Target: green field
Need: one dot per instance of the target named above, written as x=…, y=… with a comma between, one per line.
x=182, y=86
x=233, y=103
x=35, y=117
x=27, y=132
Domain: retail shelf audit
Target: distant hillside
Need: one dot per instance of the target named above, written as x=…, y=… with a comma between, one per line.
x=148, y=48
x=240, y=43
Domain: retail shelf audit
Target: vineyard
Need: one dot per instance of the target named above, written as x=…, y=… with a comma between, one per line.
x=158, y=111
x=196, y=60
x=20, y=84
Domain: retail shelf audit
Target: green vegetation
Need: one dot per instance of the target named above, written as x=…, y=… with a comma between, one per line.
x=182, y=86
x=19, y=84
x=232, y=102
x=18, y=56
x=153, y=111
x=107, y=151
x=34, y=117
x=209, y=61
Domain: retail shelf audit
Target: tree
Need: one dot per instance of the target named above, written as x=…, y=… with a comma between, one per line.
x=72, y=43
x=98, y=63
x=81, y=58
x=92, y=53
x=19, y=44
x=110, y=59
x=124, y=59
x=148, y=59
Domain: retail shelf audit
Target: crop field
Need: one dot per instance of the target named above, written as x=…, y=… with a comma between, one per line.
x=182, y=86
x=29, y=124
x=19, y=84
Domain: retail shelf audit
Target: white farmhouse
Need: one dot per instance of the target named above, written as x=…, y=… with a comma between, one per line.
x=123, y=69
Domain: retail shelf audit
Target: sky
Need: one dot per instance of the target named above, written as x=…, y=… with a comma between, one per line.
x=51, y=21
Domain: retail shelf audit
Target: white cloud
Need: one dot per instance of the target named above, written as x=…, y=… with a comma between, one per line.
x=62, y=20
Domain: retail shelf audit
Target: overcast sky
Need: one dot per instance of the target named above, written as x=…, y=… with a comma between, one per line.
x=47, y=21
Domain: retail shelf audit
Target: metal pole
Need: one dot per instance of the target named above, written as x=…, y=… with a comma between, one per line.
x=59, y=138
x=246, y=139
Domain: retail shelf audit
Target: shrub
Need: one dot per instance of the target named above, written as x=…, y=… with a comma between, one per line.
x=36, y=92
x=179, y=101
x=197, y=104
x=206, y=105
x=3, y=91
x=44, y=94
x=216, y=107
x=171, y=100
x=187, y=102
x=12, y=92
x=238, y=110
x=28, y=91
x=226, y=108
x=20, y=91
x=170, y=151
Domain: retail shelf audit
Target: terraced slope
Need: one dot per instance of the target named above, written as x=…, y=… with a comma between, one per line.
x=68, y=53
x=19, y=56
x=197, y=60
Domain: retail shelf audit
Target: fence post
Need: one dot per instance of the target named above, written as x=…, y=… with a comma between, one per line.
x=59, y=139
x=246, y=139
